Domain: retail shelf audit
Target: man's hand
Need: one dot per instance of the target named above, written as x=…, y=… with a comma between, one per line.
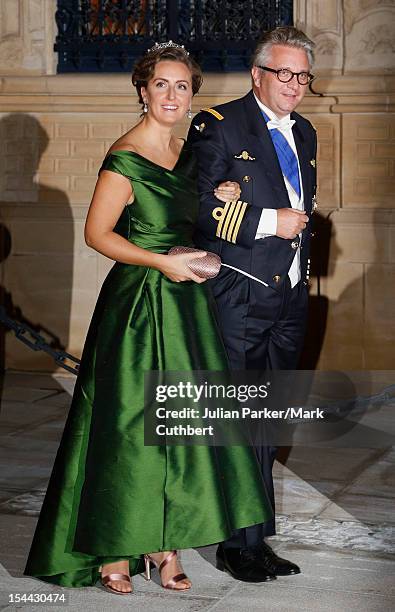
x=290, y=222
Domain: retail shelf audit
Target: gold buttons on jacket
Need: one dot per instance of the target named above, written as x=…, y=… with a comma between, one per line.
x=276, y=278
x=246, y=178
x=294, y=244
x=308, y=270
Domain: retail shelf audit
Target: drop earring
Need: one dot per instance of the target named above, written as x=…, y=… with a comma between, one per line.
x=189, y=113
x=145, y=107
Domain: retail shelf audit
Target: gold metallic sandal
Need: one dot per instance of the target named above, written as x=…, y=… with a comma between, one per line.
x=171, y=584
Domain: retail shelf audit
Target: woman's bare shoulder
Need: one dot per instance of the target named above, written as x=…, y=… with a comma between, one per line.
x=127, y=142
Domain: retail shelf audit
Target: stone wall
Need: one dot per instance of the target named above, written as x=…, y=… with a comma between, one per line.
x=55, y=130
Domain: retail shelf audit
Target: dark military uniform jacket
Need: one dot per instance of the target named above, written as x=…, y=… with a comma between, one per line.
x=232, y=142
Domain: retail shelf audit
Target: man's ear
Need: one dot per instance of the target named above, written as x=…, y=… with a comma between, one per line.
x=256, y=74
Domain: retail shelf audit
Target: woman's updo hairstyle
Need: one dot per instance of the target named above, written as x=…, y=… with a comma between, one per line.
x=144, y=68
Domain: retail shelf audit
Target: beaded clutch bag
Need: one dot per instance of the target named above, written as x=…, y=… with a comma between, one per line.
x=205, y=267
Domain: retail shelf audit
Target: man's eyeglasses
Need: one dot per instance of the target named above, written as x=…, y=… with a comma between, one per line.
x=284, y=75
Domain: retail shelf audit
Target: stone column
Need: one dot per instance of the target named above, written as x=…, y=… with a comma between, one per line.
x=27, y=33
x=323, y=22
x=355, y=64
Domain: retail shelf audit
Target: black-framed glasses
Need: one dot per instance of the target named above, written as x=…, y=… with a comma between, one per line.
x=285, y=75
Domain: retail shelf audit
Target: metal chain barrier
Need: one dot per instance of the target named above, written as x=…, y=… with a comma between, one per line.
x=36, y=342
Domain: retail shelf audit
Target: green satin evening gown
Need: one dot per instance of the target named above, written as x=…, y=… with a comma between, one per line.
x=109, y=496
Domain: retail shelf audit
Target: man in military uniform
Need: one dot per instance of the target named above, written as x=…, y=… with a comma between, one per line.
x=260, y=142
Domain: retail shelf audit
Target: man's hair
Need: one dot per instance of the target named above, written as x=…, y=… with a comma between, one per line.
x=287, y=36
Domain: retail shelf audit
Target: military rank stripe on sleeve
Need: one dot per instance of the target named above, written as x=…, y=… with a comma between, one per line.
x=228, y=217
x=219, y=215
x=241, y=213
x=232, y=220
x=229, y=220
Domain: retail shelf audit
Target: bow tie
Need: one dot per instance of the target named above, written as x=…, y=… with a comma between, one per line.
x=280, y=124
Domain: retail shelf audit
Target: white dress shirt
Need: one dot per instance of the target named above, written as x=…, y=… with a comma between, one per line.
x=267, y=225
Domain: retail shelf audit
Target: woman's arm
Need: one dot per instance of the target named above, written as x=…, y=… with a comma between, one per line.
x=112, y=192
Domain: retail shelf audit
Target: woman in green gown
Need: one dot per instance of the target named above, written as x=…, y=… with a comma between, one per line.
x=111, y=499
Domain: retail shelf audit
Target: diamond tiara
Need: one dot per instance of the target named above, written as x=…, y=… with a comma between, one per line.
x=167, y=45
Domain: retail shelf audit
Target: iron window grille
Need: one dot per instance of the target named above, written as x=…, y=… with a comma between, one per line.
x=108, y=35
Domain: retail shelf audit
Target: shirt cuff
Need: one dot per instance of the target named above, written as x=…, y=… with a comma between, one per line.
x=267, y=225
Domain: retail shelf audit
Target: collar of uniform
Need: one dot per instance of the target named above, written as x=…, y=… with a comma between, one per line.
x=272, y=116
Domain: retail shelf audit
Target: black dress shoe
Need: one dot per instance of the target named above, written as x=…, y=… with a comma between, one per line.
x=272, y=563
x=242, y=565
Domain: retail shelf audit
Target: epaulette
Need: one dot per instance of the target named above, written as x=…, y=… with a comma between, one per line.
x=216, y=114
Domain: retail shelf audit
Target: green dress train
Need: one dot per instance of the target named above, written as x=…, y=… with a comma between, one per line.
x=109, y=496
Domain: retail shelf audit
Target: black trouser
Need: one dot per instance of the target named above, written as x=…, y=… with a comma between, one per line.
x=262, y=329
